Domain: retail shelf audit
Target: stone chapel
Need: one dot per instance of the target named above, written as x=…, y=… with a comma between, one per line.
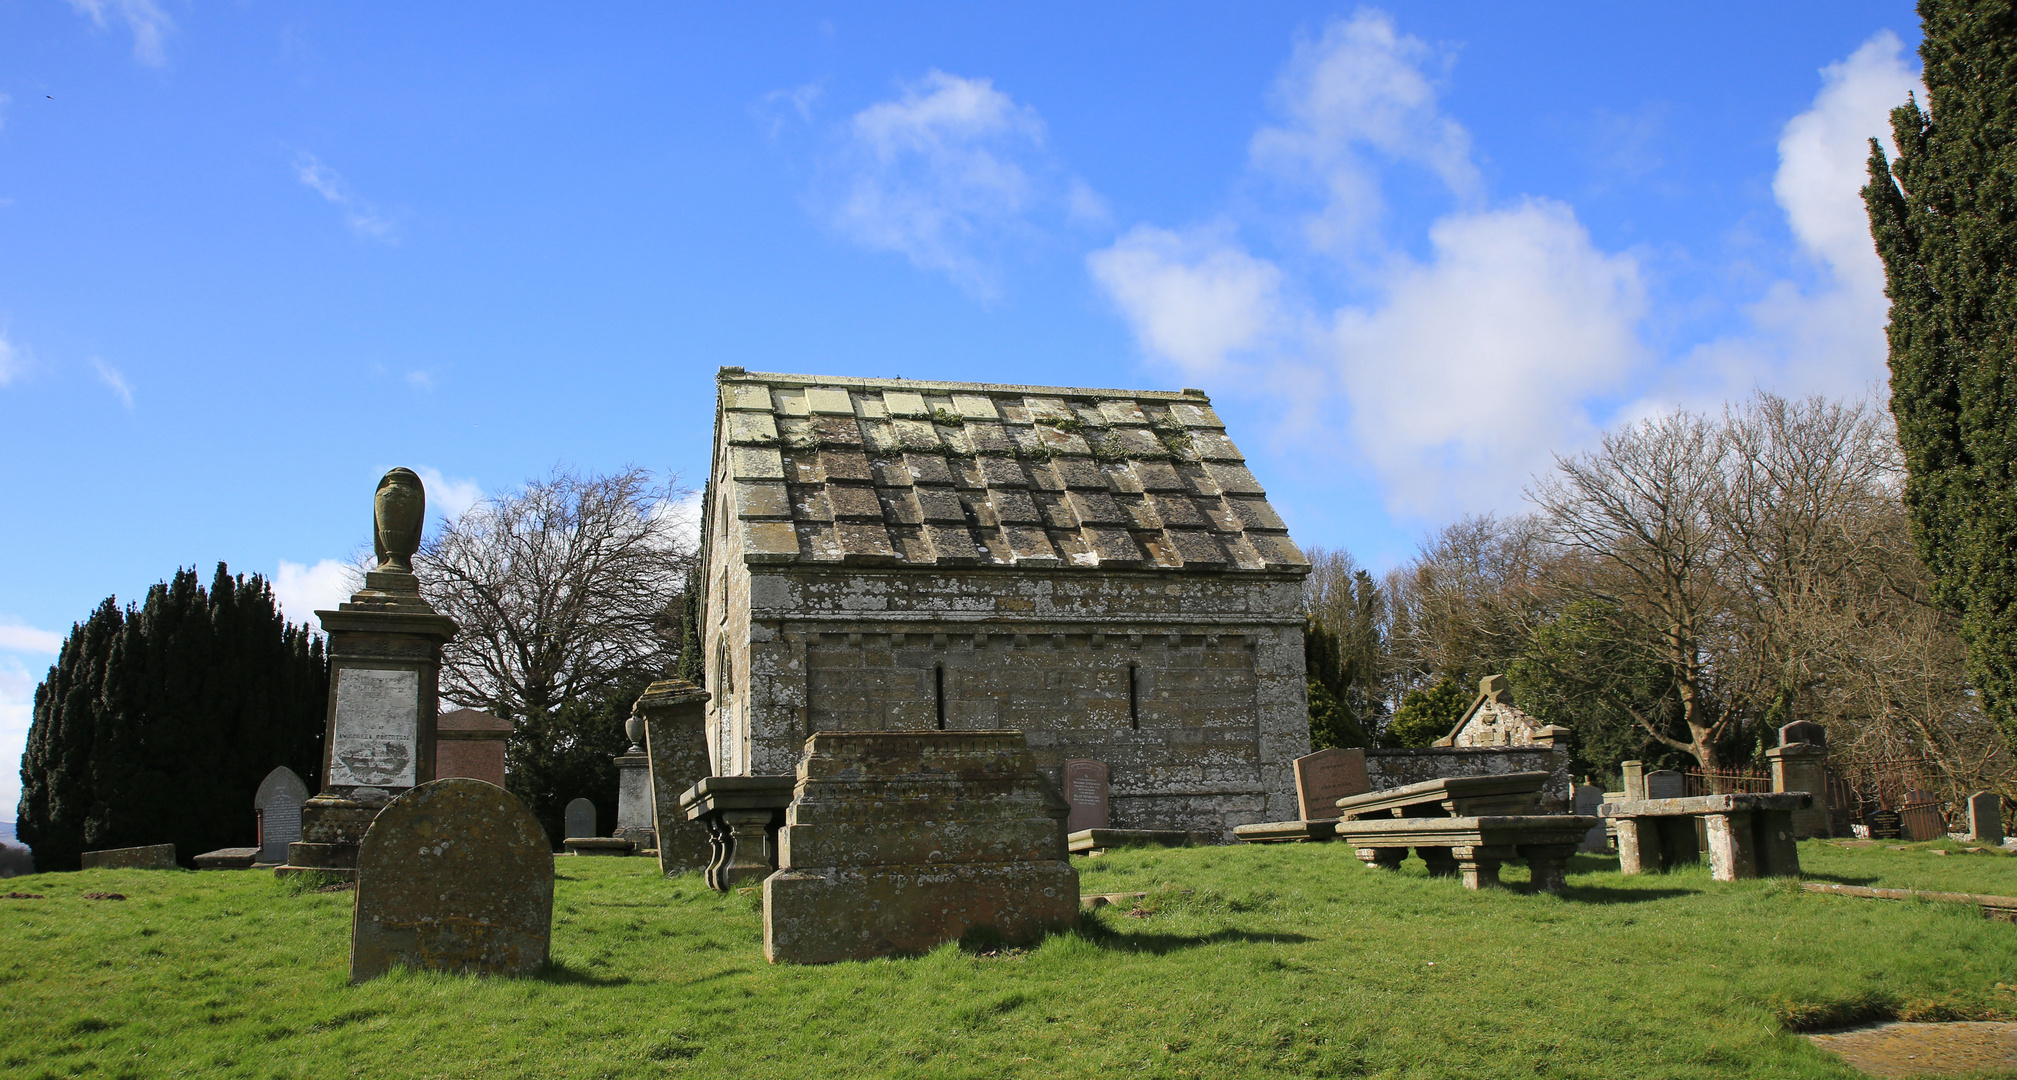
x=1095, y=568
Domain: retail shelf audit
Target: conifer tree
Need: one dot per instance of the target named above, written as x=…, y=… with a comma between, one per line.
x=1944, y=216
x=157, y=723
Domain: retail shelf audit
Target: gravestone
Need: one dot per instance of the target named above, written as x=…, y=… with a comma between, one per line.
x=1587, y=798
x=277, y=807
x=1665, y=784
x=1885, y=825
x=1086, y=794
x=455, y=875
x=580, y=819
x=1635, y=779
x=1985, y=817
x=900, y=841
x=1325, y=777
x=150, y=857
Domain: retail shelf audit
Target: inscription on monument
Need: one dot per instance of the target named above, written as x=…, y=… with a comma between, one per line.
x=1325, y=777
x=1086, y=794
x=377, y=714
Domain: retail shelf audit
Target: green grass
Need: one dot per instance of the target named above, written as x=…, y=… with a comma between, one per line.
x=1243, y=962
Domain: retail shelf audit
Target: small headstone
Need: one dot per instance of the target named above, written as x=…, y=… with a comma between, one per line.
x=455, y=875
x=580, y=819
x=1588, y=797
x=1665, y=784
x=1086, y=794
x=1985, y=817
x=150, y=857
x=278, y=806
x=1885, y=825
x=1325, y=777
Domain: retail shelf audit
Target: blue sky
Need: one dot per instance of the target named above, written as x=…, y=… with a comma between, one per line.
x=254, y=254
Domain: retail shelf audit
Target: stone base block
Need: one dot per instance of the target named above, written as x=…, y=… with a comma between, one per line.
x=820, y=916
x=151, y=857
x=599, y=845
x=229, y=858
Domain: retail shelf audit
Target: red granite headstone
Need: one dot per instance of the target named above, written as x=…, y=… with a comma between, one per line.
x=1086, y=794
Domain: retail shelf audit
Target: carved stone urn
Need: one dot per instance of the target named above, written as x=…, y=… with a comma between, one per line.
x=398, y=513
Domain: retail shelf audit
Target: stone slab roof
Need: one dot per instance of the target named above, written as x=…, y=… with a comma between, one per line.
x=898, y=472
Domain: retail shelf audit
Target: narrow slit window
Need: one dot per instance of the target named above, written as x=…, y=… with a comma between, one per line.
x=1134, y=697
x=938, y=684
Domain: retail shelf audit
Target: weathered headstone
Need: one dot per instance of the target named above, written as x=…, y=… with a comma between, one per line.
x=899, y=841
x=277, y=805
x=1587, y=798
x=1665, y=784
x=149, y=857
x=455, y=875
x=580, y=819
x=1985, y=817
x=1325, y=777
x=1885, y=825
x=1086, y=794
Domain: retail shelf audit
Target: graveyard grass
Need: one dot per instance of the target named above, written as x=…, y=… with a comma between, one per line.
x=1241, y=962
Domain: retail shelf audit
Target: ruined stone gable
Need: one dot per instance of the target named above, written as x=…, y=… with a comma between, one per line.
x=1095, y=568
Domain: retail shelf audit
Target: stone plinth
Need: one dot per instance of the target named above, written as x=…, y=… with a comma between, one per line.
x=470, y=743
x=896, y=842
x=674, y=712
x=599, y=845
x=1749, y=836
x=149, y=857
x=1804, y=767
x=455, y=875
x=740, y=816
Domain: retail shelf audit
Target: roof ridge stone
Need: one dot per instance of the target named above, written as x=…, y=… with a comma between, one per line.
x=774, y=378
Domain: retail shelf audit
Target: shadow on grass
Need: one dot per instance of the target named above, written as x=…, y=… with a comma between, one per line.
x=1598, y=894
x=561, y=973
x=1159, y=944
x=1841, y=879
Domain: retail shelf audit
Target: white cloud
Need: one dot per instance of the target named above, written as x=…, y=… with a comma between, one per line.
x=420, y=380
x=303, y=590
x=17, y=636
x=145, y=18
x=1353, y=96
x=942, y=174
x=5, y=100
x=1197, y=300
x=17, y=706
x=1825, y=334
x=684, y=513
x=364, y=219
x=13, y=362
x=1461, y=373
x=1480, y=362
x=448, y=498
x=777, y=108
x=114, y=381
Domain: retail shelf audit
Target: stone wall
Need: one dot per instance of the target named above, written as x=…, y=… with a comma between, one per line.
x=1398, y=767
x=1189, y=687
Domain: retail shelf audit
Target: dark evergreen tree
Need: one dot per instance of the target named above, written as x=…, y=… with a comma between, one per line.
x=1332, y=721
x=1944, y=216
x=157, y=723
x=690, y=666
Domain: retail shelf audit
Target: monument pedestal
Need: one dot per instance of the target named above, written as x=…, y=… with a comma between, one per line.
x=672, y=713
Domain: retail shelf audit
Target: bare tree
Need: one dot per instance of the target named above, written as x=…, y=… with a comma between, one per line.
x=561, y=591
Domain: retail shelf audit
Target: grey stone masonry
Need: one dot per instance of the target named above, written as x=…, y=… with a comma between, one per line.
x=1094, y=568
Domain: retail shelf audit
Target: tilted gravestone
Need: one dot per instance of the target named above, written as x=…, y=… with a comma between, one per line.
x=1665, y=784
x=278, y=806
x=1325, y=777
x=1920, y=817
x=1985, y=817
x=580, y=819
x=455, y=875
x=1086, y=794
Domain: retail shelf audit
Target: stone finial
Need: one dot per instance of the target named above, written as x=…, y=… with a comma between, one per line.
x=399, y=511
x=634, y=728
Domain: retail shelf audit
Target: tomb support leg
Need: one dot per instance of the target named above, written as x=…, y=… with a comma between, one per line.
x=1638, y=846
x=1732, y=855
x=1441, y=862
x=717, y=851
x=750, y=858
x=1385, y=858
x=1548, y=864
x=1772, y=833
x=1479, y=866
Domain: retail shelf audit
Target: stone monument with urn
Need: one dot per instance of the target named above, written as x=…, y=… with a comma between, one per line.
x=384, y=661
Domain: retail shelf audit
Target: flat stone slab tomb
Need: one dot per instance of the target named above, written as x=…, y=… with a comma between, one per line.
x=1750, y=835
x=898, y=841
x=1093, y=841
x=1465, y=826
x=742, y=815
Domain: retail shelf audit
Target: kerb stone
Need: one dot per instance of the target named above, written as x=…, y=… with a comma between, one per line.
x=455, y=875
x=150, y=857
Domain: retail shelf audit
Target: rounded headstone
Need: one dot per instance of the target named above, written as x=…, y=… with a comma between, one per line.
x=580, y=819
x=278, y=801
x=455, y=875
